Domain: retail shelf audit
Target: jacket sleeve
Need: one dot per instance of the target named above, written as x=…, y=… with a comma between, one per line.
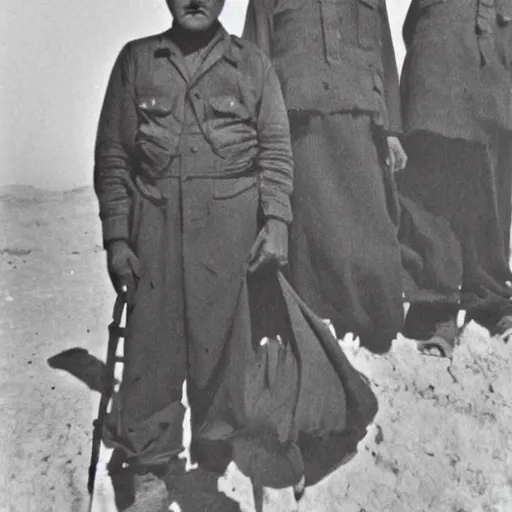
x=274, y=159
x=391, y=81
x=113, y=159
x=258, y=24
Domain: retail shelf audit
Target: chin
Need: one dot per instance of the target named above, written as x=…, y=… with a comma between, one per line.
x=197, y=26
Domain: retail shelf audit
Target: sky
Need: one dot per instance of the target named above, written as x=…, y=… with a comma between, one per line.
x=55, y=59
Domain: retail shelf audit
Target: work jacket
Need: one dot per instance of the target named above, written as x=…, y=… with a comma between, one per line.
x=226, y=122
x=330, y=55
x=456, y=75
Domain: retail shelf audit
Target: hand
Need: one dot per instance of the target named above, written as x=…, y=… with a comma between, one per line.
x=124, y=269
x=271, y=246
x=397, y=158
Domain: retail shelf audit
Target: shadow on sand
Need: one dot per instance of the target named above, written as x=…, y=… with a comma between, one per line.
x=193, y=491
x=197, y=491
x=82, y=365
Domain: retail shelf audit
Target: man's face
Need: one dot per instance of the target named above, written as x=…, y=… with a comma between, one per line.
x=195, y=15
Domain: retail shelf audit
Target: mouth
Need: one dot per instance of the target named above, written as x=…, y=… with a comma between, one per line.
x=195, y=11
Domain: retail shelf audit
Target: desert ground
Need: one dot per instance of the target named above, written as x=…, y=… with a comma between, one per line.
x=442, y=440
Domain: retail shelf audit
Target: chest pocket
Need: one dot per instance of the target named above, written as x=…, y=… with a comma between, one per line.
x=349, y=23
x=504, y=32
x=286, y=6
x=286, y=17
x=231, y=129
x=158, y=134
x=504, y=8
x=229, y=107
x=368, y=23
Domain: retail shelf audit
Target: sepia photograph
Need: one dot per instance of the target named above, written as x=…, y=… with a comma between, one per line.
x=255, y=256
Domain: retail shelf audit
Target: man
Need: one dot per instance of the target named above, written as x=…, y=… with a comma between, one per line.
x=456, y=97
x=193, y=172
x=337, y=69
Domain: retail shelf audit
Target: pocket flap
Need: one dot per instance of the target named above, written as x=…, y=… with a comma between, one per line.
x=159, y=107
x=504, y=8
x=229, y=106
x=287, y=5
x=226, y=188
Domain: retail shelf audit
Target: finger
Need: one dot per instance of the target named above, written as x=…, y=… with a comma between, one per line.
x=254, y=265
x=125, y=282
x=130, y=297
x=282, y=261
x=400, y=159
x=256, y=248
x=260, y=262
x=118, y=262
x=128, y=284
x=404, y=161
x=134, y=263
x=118, y=286
x=283, y=253
x=392, y=159
x=279, y=256
x=119, y=268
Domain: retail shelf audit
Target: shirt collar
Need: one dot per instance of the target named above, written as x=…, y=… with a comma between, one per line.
x=231, y=46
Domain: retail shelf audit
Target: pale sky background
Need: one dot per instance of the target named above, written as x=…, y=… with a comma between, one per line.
x=55, y=59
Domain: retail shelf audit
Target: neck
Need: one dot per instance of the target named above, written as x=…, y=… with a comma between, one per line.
x=189, y=42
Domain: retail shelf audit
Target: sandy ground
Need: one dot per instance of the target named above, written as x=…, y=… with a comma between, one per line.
x=442, y=441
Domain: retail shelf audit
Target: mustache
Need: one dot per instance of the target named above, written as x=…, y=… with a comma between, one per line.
x=195, y=7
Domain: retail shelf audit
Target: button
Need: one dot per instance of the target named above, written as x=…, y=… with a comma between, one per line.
x=194, y=149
